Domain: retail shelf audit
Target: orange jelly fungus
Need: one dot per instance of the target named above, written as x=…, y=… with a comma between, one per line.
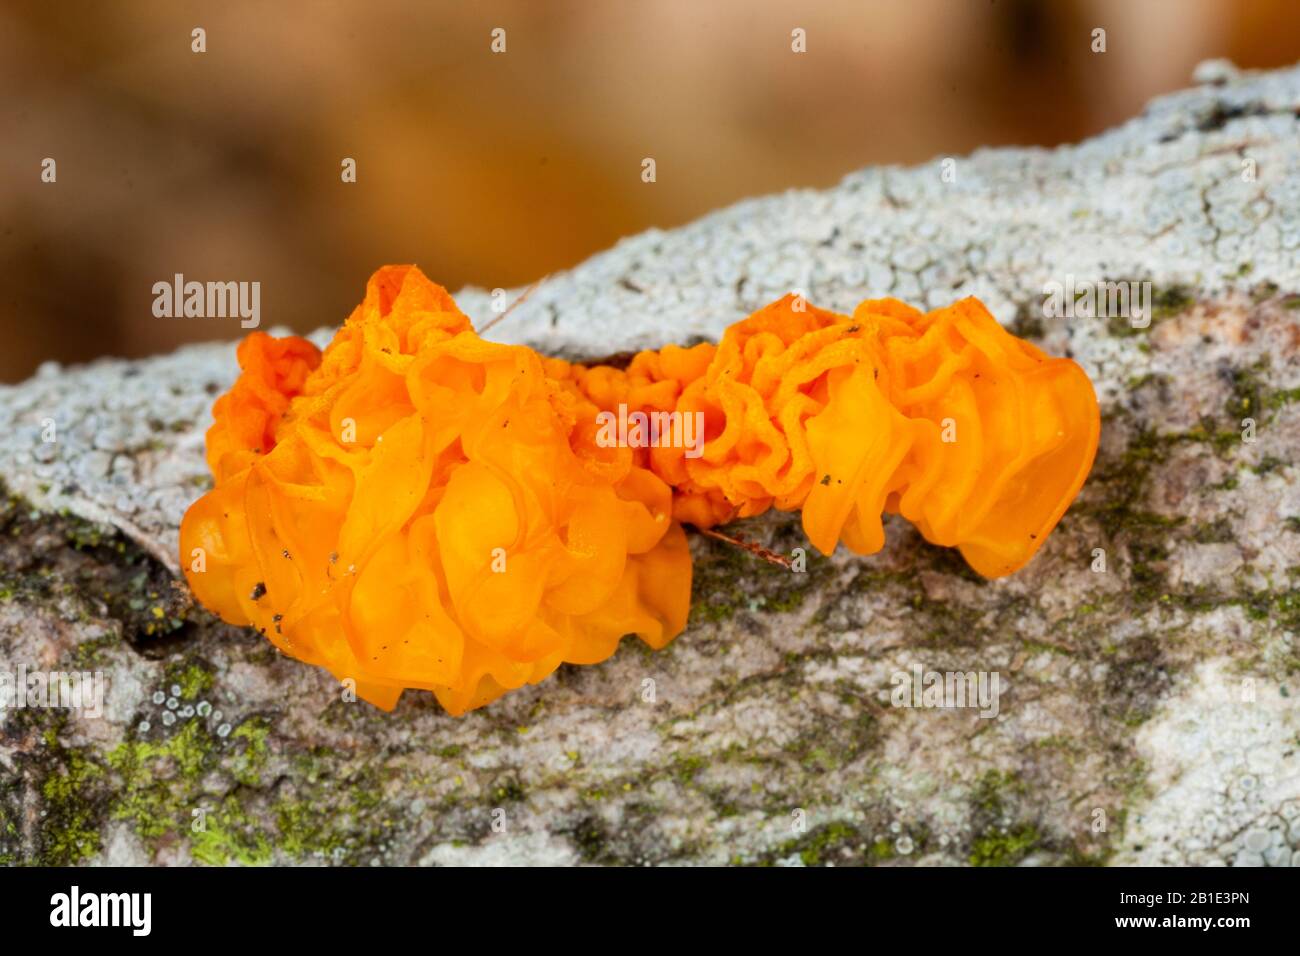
x=972, y=434
x=417, y=507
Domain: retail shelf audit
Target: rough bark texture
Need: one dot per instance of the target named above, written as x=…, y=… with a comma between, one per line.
x=1148, y=711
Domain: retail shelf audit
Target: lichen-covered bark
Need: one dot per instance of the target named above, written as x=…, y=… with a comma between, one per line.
x=1147, y=711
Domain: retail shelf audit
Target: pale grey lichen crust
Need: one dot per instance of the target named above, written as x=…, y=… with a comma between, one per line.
x=1148, y=712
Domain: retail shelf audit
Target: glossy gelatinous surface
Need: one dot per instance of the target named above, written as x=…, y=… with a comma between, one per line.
x=417, y=507
x=974, y=435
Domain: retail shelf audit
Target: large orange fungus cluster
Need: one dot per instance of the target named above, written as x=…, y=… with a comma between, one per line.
x=416, y=507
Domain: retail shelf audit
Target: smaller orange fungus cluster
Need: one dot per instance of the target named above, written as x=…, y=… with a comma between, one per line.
x=418, y=507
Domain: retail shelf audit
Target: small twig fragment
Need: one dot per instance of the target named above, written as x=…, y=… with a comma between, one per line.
x=511, y=307
x=771, y=557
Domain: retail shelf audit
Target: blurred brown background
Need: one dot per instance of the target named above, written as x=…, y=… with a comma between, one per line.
x=495, y=169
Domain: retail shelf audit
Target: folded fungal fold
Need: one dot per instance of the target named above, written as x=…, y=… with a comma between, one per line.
x=972, y=434
x=1002, y=436
x=416, y=507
